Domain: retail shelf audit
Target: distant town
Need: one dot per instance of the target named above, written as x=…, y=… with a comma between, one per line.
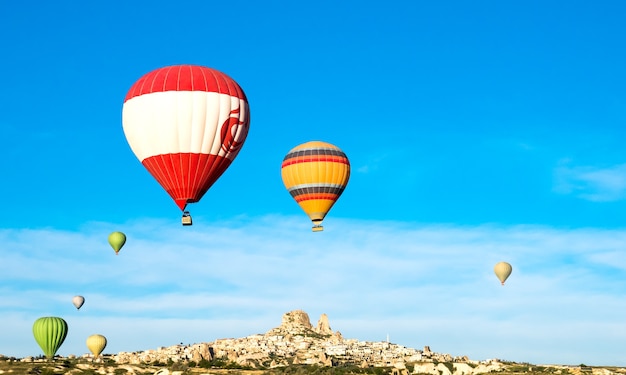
x=297, y=342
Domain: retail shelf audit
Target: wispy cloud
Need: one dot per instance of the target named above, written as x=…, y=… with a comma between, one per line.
x=373, y=163
x=599, y=184
x=423, y=285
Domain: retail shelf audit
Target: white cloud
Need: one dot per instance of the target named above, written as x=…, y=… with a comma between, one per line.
x=373, y=163
x=423, y=285
x=591, y=183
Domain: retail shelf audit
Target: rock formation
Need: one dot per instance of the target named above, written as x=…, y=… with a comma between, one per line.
x=323, y=327
x=296, y=319
x=296, y=341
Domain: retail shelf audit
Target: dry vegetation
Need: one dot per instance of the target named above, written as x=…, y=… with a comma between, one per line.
x=83, y=366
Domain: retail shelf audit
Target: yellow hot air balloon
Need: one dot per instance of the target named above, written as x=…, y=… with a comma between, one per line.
x=316, y=174
x=96, y=344
x=117, y=240
x=503, y=271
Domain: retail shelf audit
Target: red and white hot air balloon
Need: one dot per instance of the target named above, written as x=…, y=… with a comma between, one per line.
x=186, y=124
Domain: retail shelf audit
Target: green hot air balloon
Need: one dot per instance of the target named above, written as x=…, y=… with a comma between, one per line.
x=96, y=344
x=117, y=240
x=50, y=332
x=503, y=271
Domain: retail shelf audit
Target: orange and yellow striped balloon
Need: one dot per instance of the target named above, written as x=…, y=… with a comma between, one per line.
x=315, y=174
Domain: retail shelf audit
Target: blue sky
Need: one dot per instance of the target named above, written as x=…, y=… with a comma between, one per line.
x=477, y=132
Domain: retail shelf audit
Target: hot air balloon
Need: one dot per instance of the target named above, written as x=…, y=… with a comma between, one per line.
x=96, y=344
x=78, y=301
x=315, y=174
x=503, y=271
x=186, y=124
x=50, y=332
x=117, y=240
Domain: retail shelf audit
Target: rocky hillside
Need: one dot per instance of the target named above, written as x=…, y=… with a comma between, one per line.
x=297, y=341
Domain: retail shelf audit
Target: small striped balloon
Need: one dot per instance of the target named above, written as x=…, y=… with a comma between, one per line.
x=316, y=174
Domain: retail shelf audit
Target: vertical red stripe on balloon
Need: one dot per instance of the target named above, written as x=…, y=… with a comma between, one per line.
x=185, y=177
x=185, y=78
x=170, y=79
x=155, y=83
x=175, y=173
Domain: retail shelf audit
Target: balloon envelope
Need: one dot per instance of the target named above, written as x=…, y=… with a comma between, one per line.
x=78, y=301
x=186, y=124
x=50, y=332
x=503, y=271
x=96, y=344
x=315, y=174
x=117, y=240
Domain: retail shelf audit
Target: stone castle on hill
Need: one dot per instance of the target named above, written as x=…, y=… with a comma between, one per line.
x=296, y=341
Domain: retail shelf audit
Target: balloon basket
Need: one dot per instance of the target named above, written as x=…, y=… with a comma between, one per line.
x=186, y=219
x=317, y=228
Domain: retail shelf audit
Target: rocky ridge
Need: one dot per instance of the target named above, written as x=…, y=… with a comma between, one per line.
x=296, y=341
